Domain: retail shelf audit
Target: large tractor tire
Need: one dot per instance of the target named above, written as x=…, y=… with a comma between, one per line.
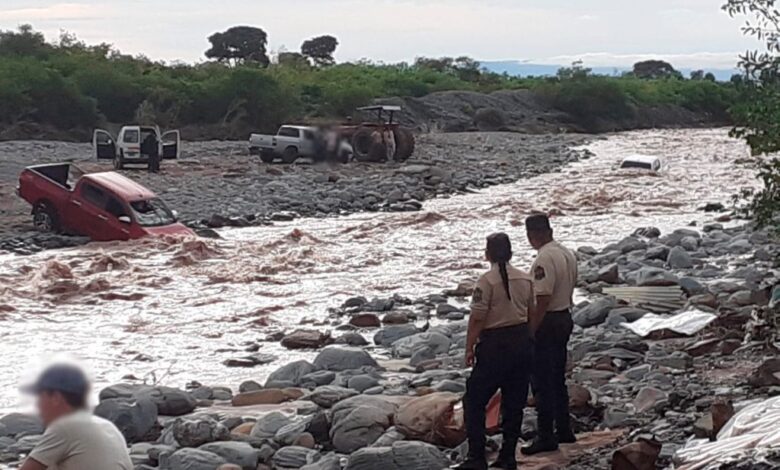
x=404, y=144
x=362, y=143
x=45, y=218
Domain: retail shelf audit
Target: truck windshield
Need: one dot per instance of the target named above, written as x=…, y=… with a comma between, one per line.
x=152, y=213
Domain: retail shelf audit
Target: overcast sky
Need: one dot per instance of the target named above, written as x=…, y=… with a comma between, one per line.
x=690, y=33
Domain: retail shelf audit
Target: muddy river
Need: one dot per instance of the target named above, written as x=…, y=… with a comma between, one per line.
x=172, y=311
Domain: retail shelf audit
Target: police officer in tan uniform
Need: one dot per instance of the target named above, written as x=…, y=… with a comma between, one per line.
x=500, y=349
x=555, y=276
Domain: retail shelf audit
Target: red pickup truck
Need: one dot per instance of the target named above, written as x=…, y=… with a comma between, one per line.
x=103, y=206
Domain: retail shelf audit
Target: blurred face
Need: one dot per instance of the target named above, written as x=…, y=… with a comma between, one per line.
x=51, y=406
x=533, y=239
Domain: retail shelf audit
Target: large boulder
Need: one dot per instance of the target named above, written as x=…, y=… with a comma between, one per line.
x=169, y=401
x=191, y=459
x=329, y=395
x=436, y=342
x=294, y=457
x=405, y=455
x=649, y=276
x=290, y=375
x=359, y=421
x=19, y=423
x=594, y=313
x=329, y=462
x=390, y=334
x=135, y=419
x=679, y=258
x=237, y=453
x=195, y=432
x=267, y=426
x=341, y=359
x=305, y=339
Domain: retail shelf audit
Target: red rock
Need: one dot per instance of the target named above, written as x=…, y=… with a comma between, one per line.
x=702, y=348
x=722, y=412
x=243, y=428
x=767, y=374
x=365, y=320
x=640, y=455
x=305, y=339
x=579, y=397
x=395, y=318
x=268, y=396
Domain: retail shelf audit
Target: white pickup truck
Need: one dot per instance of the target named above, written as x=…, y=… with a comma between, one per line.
x=289, y=143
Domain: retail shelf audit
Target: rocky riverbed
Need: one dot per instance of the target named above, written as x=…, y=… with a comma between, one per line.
x=383, y=389
x=217, y=184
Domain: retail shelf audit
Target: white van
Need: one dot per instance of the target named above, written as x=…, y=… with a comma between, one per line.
x=642, y=162
x=137, y=145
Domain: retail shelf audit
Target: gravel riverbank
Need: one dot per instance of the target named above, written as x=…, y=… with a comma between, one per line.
x=217, y=184
x=380, y=391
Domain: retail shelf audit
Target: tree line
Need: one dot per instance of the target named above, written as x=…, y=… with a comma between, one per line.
x=68, y=84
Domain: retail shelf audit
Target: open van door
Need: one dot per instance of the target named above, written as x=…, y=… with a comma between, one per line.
x=171, y=144
x=104, y=144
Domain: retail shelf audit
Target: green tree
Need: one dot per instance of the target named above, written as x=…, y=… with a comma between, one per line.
x=24, y=42
x=577, y=71
x=758, y=116
x=655, y=69
x=697, y=75
x=320, y=49
x=238, y=45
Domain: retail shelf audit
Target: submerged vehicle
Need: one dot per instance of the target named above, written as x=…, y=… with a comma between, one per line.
x=143, y=145
x=643, y=162
x=103, y=206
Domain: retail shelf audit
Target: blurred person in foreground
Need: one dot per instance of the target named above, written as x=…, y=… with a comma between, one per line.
x=74, y=439
x=500, y=348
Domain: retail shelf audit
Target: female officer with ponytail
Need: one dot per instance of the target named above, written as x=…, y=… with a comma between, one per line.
x=500, y=348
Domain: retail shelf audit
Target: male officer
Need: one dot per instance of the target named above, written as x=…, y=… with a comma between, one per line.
x=555, y=275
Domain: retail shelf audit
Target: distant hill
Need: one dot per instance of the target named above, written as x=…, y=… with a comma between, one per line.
x=525, y=69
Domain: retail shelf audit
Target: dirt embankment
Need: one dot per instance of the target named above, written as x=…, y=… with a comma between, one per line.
x=448, y=111
x=528, y=112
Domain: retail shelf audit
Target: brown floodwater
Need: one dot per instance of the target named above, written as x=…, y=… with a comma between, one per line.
x=171, y=310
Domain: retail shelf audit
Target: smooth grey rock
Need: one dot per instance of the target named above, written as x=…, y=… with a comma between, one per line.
x=135, y=419
x=405, y=455
x=341, y=359
x=437, y=342
x=13, y=424
x=594, y=313
x=294, y=457
x=291, y=373
x=390, y=334
x=237, y=453
x=359, y=421
x=191, y=459
x=267, y=426
x=319, y=378
x=329, y=395
x=362, y=383
x=655, y=277
x=169, y=401
x=679, y=258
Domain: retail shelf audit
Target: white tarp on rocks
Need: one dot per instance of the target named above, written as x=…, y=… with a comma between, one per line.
x=686, y=323
x=753, y=428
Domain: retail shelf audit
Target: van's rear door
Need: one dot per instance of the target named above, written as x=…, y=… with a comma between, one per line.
x=171, y=144
x=104, y=144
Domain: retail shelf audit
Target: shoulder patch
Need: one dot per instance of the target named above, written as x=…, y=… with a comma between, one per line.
x=476, y=297
x=539, y=273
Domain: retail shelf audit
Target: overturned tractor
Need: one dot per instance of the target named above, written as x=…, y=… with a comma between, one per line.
x=379, y=141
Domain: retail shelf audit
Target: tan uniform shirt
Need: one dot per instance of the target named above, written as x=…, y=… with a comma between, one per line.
x=491, y=303
x=82, y=441
x=555, y=274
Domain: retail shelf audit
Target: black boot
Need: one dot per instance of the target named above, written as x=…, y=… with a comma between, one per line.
x=540, y=445
x=507, y=456
x=566, y=437
x=472, y=463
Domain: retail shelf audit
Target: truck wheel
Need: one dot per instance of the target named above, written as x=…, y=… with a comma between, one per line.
x=290, y=154
x=362, y=142
x=404, y=144
x=45, y=218
x=267, y=157
x=119, y=161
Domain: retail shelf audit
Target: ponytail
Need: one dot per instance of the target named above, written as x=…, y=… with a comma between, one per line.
x=499, y=251
x=504, y=279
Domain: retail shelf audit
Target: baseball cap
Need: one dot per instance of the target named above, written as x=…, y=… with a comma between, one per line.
x=60, y=378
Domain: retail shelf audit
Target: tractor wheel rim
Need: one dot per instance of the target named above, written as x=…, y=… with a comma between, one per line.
x=42, y=221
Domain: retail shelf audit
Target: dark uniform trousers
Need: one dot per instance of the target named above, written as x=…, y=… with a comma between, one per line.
x=549, y=373
x=504, y=358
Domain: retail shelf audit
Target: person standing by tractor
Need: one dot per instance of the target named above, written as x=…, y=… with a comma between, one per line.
x=499, y=346
x=555, y=275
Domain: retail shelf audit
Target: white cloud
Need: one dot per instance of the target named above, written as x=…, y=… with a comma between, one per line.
x=55, y=12
x=705, y=60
